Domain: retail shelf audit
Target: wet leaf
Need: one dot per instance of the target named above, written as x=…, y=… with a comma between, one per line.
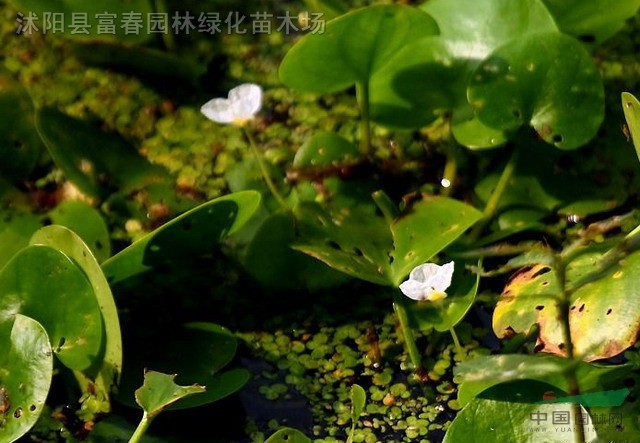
x=604, y=314
x=548, y=81
x=325, y=148
x=358, y=44
x=46, y=285
x=26, y=368
x=191, y=235
x=159, y=392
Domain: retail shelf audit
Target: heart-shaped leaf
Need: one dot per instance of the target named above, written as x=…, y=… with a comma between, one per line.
x=26, y=368
x=547, y=80
x=105, y=373
x=44, y=284
x=159, y=392
x=612, y=302
x=191, y=235
x=356, y=45
x=592, y=21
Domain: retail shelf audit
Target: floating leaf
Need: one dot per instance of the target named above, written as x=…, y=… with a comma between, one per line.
x=26, y=368
x=20, y=146
x=288, y=435
x=86, y=222
x=44, y=284
x=611, y=302
x=592, y=21
x=508, y=412
x=16, y=227
x=105, y=373
x=547, y=80
x=159, y=392
x=191, y=235
x=357, y=44
x=325, y=148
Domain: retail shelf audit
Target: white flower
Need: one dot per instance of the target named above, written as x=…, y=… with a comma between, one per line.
x=243, y=104
x=428, y=282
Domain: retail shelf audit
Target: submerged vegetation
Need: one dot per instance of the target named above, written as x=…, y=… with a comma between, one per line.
x=399, y=221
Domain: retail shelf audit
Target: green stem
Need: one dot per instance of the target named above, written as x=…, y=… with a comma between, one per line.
x=362, y=94
x=491, y=207
x=409, y=338
x=571, y=375
x=141, y=429
x=456, y=341
x=264, y=172
x=386, y=205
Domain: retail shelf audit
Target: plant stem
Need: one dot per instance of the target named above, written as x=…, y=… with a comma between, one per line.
x=409, y=339
x=264, y=172
x=491, y=207
x=456, y=341
x=167, y=37
x=570, y=376
x=362, y=94
x=141, y=429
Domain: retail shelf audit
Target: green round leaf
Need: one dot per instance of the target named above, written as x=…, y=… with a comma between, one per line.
x=85, y=221
x=16, y=227
x=44, y=284
x=323, y=149
x=546, y=80
x=26, y=368
x=105, y=373
x=288, y=435
x=191, y=235
x=353, y=47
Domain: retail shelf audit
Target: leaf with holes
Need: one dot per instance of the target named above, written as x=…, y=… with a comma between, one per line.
x=446, y=313
x=159, y=391
x=194, y=234
x=288, y=435
x=592, y=21
x=604, y=314
x=210, y=347
x=87, y=223
x=20, y=146
x=428, y=77
x=356, y=243
x=104, y=375
x=427, y=228
x=357, y=44
x=26, y=369
x=46, y=285
x=548, y=81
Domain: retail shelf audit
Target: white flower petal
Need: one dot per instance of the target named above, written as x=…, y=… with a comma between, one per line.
x=243, y=104
x=428, y=281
